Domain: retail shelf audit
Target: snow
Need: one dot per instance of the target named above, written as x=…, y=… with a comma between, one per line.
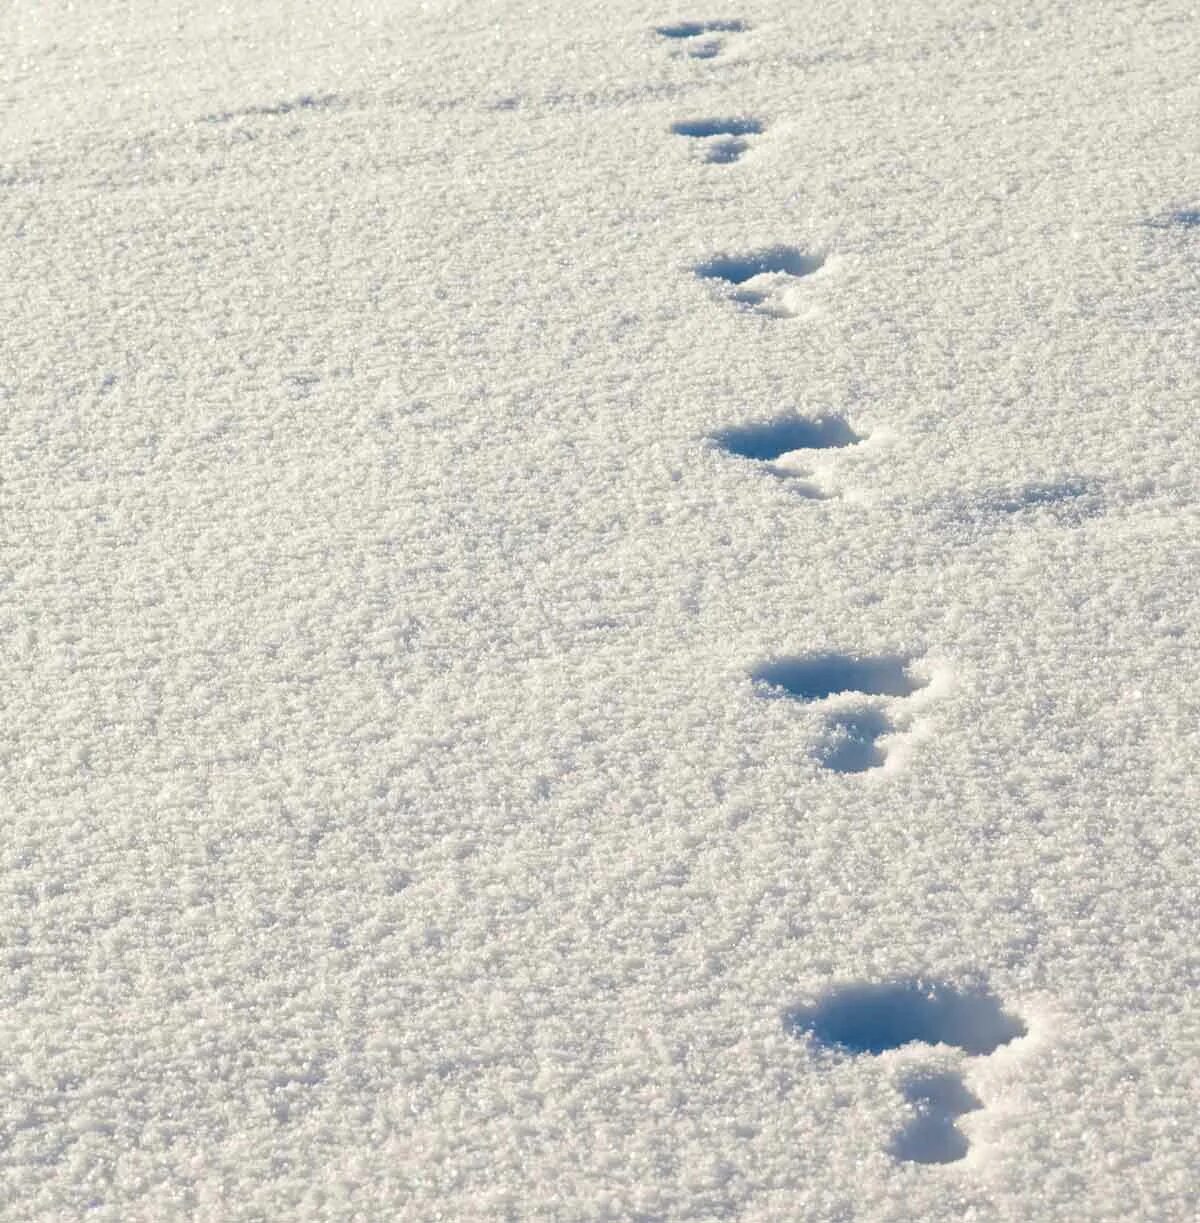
x=599, y=611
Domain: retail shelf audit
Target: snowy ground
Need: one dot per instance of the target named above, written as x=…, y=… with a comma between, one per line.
x=598, y=614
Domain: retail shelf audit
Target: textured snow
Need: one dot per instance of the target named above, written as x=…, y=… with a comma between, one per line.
x=599, y=610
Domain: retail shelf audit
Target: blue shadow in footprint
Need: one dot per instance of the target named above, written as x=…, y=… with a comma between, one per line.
x=851, y=741
x=737, y=269
x=812, y=677
x=866, y=1018
x=727, y=138
x=873, y=1018
x=1184, y=218
x=694, y=29
x=725, y=152
x=1070, y=500
x=767, y=440
x=701, y=129
x=932, y=1137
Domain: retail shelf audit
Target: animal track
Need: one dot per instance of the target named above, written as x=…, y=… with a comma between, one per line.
x=697, y=36
x=1181, y=218
x=798, y=438
x=694, y=29
x=1036, y=496
x=931, y=1137
x=866, y=1018
x=861, y=691
x=813, y=677
x=306, y=101
x=1068, y=502
x=850, y=742
x=764, y=280
x=725, y=140
x=875, y=1019
x=771, y=439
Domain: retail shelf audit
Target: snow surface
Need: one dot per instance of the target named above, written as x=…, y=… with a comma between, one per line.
x=457, y=760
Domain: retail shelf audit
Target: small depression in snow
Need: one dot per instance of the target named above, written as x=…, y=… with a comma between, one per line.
x=851, y=741
x=873, y=1018
x=812, y=677
x=769, y=439
x=737, y=269
x=696, y=29
x=306, y=101
x=931, y=1136
x=764, y=280
x=1182, y=218
x=725, y=140
x=725, y=152
x=701, y=129
x=1076, y=498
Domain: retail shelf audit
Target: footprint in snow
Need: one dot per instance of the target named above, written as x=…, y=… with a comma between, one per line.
x=272, y=110
x=788, y=445
x=931, y=1136
x=1065, y=502
x=876, y=1019
x=862, y=698
x=721, y=140
x=1181, y=218
x=701, y=39
x=765, y=281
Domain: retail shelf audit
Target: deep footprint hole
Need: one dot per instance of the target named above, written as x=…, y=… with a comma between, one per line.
x=873, y=1018
x=768, y=439
x=701, y=129
x=694, y=29
x=737, y=269
x=813, y=677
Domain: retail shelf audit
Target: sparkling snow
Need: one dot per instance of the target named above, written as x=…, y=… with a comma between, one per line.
x=599, y=611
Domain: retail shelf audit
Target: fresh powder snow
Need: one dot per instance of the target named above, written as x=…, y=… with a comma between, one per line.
x=599, y=611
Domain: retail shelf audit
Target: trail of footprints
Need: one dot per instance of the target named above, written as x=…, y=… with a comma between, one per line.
x=721, y=140
x=867, y=702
